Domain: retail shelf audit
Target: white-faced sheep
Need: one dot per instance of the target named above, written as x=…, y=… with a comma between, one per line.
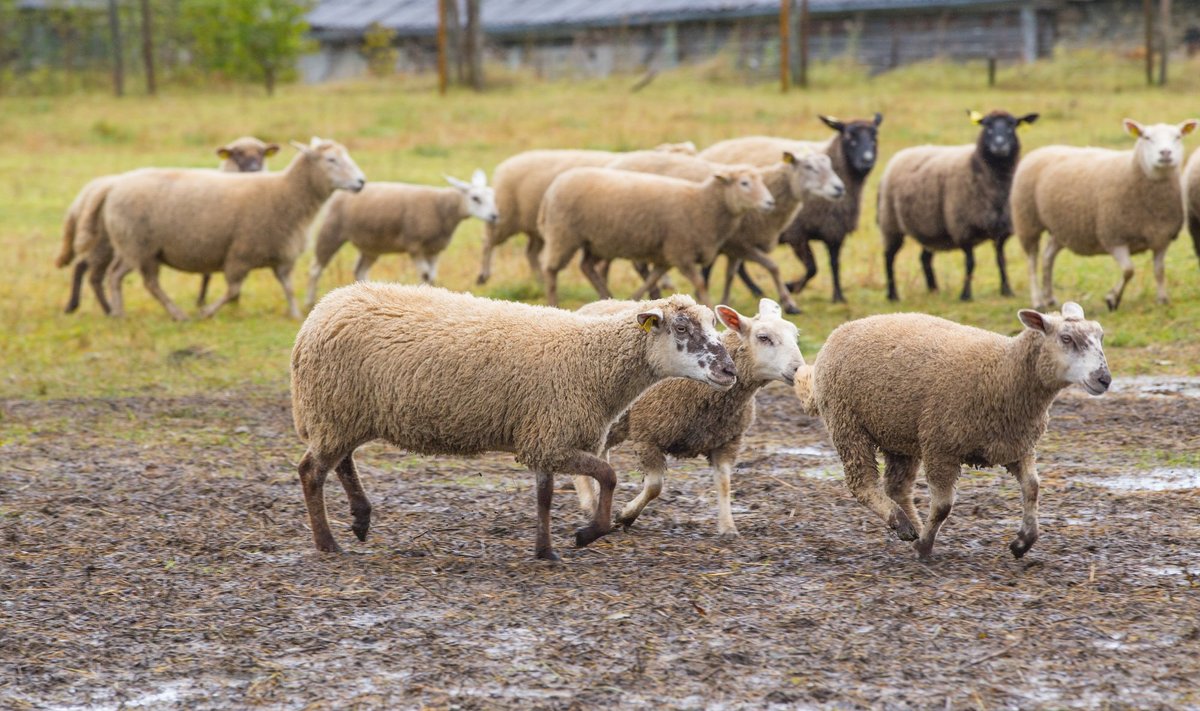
x=853, y=151
x=389, y=218
x=244, y=155
x=1096, y=201
x=667, y=222
x=521, y=181
x=203, y=221
x=924, y=389
x=436, y=372
x=682, y=418
x=952, y=197
x=1191, y=195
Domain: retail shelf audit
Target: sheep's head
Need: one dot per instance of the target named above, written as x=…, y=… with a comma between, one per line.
x=686, y=148
x=332, y=159
x=812, y=174
x=1159, y=148
x=479, y=199
x=770, y=340
x=744, y=189
x=998, y=135
x=246, y=155
x=683, y=342
x=1073, y=349
x=859, y=139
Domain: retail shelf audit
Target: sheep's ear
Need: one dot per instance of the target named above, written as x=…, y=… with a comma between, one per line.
x=1034, y=320
x=768, y=308
x=270, y=150
x=878, y=118
x=1072, y=311
x=457, y=183
x=1133, y=128
x=1186, y=127
x=723, y=178
x=224, y=153
x=733, y=320
x=832, y=123
x=789, y=157
x=479, y=178
x=316, y=141
x=649, y=320
x=976, y=117
x=300, y=147
x=688, y=147
x=1027, y=118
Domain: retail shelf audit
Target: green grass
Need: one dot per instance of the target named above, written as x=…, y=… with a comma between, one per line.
x=401, y=130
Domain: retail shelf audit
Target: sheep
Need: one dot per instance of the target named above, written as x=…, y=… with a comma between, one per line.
x=1191, y=194
x=669, y=222
x=244, y=155
x=397, y=217
x=1094, y=200
x=521, y=181
x=853, y=151
x=790, y=183
x=952, y=197
x=687, y=419
x=920, y=388
x=202, y=221
x=437, y=372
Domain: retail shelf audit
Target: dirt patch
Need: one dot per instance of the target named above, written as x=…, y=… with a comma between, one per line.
x=154, y=554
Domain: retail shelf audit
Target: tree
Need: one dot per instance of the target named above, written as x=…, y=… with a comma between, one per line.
x=249, y=39
x=377, y=46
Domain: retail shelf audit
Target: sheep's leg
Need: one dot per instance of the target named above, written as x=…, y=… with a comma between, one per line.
x=969, y=253
x=755, y=290
x=363, y=265
x=314, y=276
x=835, y=266
x=76, y=286
x=1047, y=296
x=1121, y=254
x=283, y=273
x=651, y=280
x=116, y=274
x=891, y=246
x=1025, y=470
x=1160, y=275
x=655, y=292
x=150, y=280
x=1002, y=265
x=533, y=254
x=360, y=505
x=760, y=257
x=862, y=477
x=544, y=549
x=723, y=460
x=550, y=278
x=692, y=274
x=426, y=266
x=927, y=267
x=585, y=464
x=942, y=477
x=803, y=251
x=489, y=243
x=732, y=265
x=233, y=290
x=1031, y=262
x=203, y=296
x=587, y=265
x=654, y=465
x=899, y=473
x=313, y=470
x=96, y=276
x=588, y=491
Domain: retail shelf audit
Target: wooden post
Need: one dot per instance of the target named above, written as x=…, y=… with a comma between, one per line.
x=114, y=28
x=474, y=45
x=148, y=48
x=991, y=71
x=1164, y=20
x=805, y=28
x=785, y=39
x=441, y=46
x=1148, y=17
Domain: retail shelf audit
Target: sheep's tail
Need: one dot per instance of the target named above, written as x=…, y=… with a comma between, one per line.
x=90, y=228
x=66, y=253
x=804, y=390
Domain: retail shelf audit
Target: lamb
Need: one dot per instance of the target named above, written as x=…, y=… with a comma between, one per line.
x=920, y=388
x=1191, y=194
x=397, y=217
x=201, y=221
x=520, y=183
x=612, y=214
x=1094, y=200
x=244, y=155
x=853, y=151
x=952, y=197
x=686, y=419
x=436, y=372
x=790, y=183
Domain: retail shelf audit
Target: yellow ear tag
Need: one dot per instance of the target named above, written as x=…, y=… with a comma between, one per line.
x=976, y=117
x=649, y=323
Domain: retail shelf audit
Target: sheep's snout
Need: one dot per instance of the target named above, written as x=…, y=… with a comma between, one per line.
x=357, y=185
x=767, y=205
x=1098, y=381
x=722, y=373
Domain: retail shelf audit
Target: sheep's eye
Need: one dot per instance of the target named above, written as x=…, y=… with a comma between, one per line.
x=474, y=198
x=765, y=339
x=1065, y=339
x=745, y=183
x=680, y=328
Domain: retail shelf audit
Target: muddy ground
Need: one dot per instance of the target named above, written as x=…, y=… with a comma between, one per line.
x=154, y=554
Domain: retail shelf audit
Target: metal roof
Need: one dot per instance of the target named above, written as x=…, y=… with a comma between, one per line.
x=349, y=18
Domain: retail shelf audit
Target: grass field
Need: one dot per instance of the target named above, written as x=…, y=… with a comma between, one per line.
x=401, y=130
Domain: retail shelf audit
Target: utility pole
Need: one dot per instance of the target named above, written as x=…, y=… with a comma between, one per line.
x=805, y=28
x=785, y=41
x=1164, y=20
x=1148, y=18
x=441, y=46
x=148, y=48
x=474, y=45
x=114, y=28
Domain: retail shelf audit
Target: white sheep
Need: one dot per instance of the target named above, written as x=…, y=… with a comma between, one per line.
x=388, y=218
x=437, y=372
x=1191, y=196
x=1097, y=201
x=923, y=389
x=682, y=418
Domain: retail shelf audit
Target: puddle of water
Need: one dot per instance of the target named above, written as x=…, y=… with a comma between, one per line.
x=1144, y=385
x=821, y=473
x=807, y=451
x=1161, y=479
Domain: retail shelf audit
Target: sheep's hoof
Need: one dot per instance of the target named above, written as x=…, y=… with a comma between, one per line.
x=729, y=536
x=549, y=554
x=924, y=551
x=1162, y=301
x=360, y=530
x=902, y=526
x=329, y=547
x=791, y=309
x=587, y=534
x=624, y=523
x=1020, y=547
x=1006, y=290
x=481, y=279
x=1111, y=303
x=965, y=297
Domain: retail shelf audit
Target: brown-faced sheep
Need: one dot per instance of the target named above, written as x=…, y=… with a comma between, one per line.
x=952, y=197
x=1096, y=201
x=924, y=389
x=436, y=372
x=388, y=218
x=853, y=151
x=203, y=221
x=682, y=418
x=667, y=222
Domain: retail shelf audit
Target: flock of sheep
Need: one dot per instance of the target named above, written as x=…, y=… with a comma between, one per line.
x=445, y=373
